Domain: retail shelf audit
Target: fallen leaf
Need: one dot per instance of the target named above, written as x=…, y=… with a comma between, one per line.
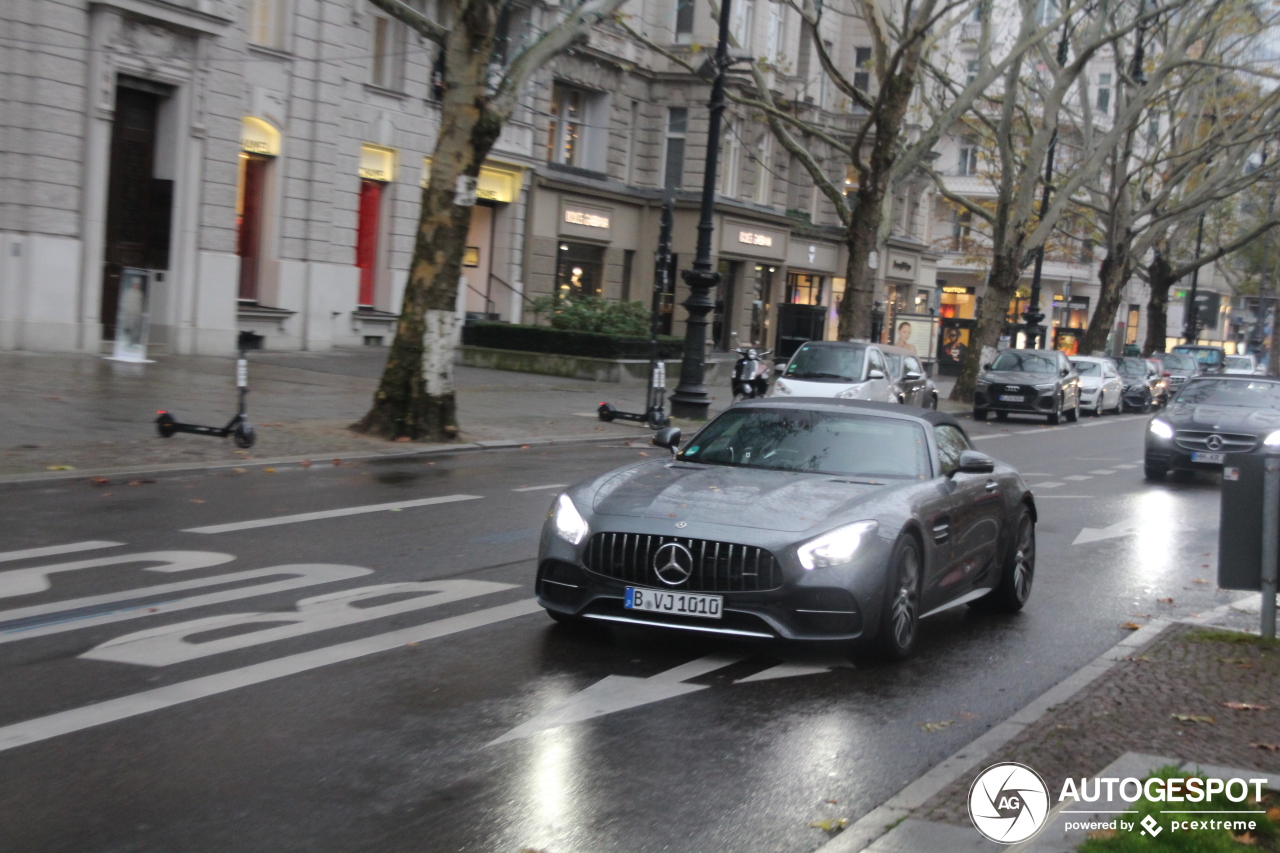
x=1139, y=659
x=832, y=825
x=62, y=468
x=524, y=447
x=337, y=462
x=1269, y=747
x=833, y=802
x=403, y=438
x=1130, y=626
x=965, y=715
x=642, y=453
x=1164, y=601
x=1204, y=565
x=1192, y=718
x=1245, y=706
x=100, y=481
x=1200, y=580
x=431, y=463
x=935, y=727
x=238, y=470
x=196, y=501
x=1140, y=615
x=305, y=463
x=1248, y=839
x=269, y=470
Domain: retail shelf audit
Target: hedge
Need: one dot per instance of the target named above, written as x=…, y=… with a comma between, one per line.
x=560, y=342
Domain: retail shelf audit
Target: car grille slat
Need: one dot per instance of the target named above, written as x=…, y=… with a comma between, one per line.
x=718, y=566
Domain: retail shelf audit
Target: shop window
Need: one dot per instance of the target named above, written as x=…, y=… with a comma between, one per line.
x=957, y=302
x=761, y=296
x=250, y=201
x=803, y=289
x=266, y=24
x=684, y=21
x=367, y=229
x=723, y=325
x=673, y=156
x=579, y=270
x=386, y=63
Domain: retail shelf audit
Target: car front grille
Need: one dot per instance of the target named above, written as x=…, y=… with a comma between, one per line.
x=1231, y=442
x=1177, y=380
x=1028, y=393
x=717, y=566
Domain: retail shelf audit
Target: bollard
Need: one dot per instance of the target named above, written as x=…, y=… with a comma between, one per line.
x=1270, y=542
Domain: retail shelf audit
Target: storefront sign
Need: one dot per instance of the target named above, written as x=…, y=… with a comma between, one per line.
x=497, y=181
x=752, y=238
x=589, y=220
x=954, y=289
x=902, y=267
x=377, y=163
x=258, y=137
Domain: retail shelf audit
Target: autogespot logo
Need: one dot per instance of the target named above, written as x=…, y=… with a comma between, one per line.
x=1008, y=803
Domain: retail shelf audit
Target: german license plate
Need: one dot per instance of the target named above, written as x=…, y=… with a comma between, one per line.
x=1211, y=458
x=1011, y=398
x=679, y=603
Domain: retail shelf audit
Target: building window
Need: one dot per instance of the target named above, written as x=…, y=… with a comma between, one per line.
x=1131, y=325
x=250, y=201
x=970, y=71
x=386, y=52
x=730, y=160
x=673, y=156
x=777, y=34
x=764, y=169
x=579, y=270
x=684, y=21
x=1104, y=93
x=367, y=230
x=633, y=130
x=267, y=23
x=804, y=289
x=743, y=18
x=1046, y=11
x=968, y=164
x=961, y=228
x=570, y=138
x=862, y=66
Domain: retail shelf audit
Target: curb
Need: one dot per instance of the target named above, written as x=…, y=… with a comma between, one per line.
x=871, y=826
x=430, y=449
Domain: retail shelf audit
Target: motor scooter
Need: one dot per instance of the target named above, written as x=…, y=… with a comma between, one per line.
x=750, y=374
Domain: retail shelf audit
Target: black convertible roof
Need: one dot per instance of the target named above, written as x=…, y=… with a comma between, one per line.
x=832, y=404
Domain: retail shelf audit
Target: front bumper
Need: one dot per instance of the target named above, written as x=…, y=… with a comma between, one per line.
x=1034, y=401
x=1138, y=397
x=839, y=603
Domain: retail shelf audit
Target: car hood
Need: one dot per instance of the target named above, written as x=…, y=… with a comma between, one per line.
x=1090, y=381
x=811, y=388
x=741, y=497
x=1015, y=378
x=1225, y=418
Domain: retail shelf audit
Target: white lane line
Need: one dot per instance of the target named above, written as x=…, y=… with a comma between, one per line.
x=78, y=719
x=1126, y=466
x=1077, y=477
x=540, y=488
x=53, y=550
x=1049, y=485
x=1084, y=497
x=987, y=437
x=1102, y=472
x=35, y=579
x=328, y=513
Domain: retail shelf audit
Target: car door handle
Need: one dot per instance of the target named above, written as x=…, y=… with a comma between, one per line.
x=942, y=530
x=992, y=485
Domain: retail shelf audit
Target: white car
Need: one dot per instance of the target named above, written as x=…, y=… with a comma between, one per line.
x=1101, y=389
x=1243, y=364
x=849, y=371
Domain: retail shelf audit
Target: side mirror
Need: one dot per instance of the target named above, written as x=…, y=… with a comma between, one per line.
x=1065, y=372
x=912, y=376
x=873, y=373
x=986, y=366
x=668, y=437
x=973, y=462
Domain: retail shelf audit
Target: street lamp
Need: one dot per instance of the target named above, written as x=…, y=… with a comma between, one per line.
x=1191, y=329
x=690, y=399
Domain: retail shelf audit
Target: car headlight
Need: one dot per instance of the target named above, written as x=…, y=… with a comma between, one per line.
x=781, y=387
x=837, y=547
x=1048, y=387
x=1272, y=440
x=849, y=393
x=982, y=383
x=1160, y=429
x=568, y=522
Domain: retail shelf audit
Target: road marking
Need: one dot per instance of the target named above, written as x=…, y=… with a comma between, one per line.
x=791, y=670
x=36, y=579
x=1077, y=477
x=54, y=550
x=328, y=513
x=1093, y=534
x=1049, y=485
x=305, y=574
x=1048, y=497
x=170, y=644
x=540, y=488
x=112, y=710
x=619, y=692
x=1125, y=466
x=988, y=437
x=1102, y=472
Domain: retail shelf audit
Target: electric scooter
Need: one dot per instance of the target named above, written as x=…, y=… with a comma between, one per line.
x=238, y=427
x=750, y=374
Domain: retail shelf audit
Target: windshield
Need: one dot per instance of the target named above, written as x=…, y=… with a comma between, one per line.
x=1088, y=368
x=814, y=442
x=1131, y=369
x=1239, y=362
x=1025, y=362
x=1177, y=361
x=895, y=364
x=1204, y=356
x=1251, y=394
x=827, y=363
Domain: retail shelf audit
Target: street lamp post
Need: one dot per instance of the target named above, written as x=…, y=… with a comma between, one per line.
x=1191, y=329
x=690, y=399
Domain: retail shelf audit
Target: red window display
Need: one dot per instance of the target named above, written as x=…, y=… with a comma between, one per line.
x=253, y=179
x=367, y=238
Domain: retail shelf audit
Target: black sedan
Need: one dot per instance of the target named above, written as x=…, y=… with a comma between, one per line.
x=804, y=519
x=1211, y=417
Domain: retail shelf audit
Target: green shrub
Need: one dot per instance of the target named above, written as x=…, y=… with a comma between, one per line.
x=593, y=314
x=564, y=342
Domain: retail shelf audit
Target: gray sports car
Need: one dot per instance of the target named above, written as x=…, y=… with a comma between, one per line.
x=805, y=519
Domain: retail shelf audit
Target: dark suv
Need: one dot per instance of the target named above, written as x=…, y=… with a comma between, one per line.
x=1178, y=368
x=1028, y=382
x=1209, y=359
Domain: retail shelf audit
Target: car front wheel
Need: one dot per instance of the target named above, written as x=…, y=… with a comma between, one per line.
x=901, y=620
x=1014, y=588
x=979, y=414
x=1056, y=415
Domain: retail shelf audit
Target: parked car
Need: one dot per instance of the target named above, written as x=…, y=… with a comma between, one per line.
x=847, y=371
x=1177, y=369
x=1144, y=387
x=1028, y=382
x=1101, y=389
x=833, y=520
x=1210, y=417
x=1209, y=359
x=1243, y=365
x=911, y=384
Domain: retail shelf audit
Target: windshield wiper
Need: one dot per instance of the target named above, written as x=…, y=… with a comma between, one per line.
x=820, y=376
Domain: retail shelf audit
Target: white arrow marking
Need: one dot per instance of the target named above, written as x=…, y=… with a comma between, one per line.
x=791, y=670
x=30, y=581
x=1093, y=534
x=54, y=550
x=620, y=692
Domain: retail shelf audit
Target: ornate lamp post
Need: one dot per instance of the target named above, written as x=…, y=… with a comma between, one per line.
x=690, y=399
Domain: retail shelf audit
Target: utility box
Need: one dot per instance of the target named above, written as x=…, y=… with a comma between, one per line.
x=1240, y=528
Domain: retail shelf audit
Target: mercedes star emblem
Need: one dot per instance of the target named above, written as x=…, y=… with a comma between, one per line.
x=673, y=563
x=1214, y=442
x=681, y=525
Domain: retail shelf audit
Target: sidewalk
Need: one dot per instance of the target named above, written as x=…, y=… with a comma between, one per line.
x=92, y=414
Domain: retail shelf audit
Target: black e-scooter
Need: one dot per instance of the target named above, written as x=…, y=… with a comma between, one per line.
x=238, y=427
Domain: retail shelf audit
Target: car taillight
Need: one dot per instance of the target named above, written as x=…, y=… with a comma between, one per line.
x=1166, y=375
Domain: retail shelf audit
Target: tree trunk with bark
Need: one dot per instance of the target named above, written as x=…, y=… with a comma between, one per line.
x=1002, y=284
x=1160, y=279
x=861, y=239
x=1113, y=274
x=416, y=399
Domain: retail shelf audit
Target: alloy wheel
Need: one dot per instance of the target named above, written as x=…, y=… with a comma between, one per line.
x=906, y=600
x=1024, y=559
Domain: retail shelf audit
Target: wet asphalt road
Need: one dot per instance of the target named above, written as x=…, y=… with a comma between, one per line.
x=368, y=721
